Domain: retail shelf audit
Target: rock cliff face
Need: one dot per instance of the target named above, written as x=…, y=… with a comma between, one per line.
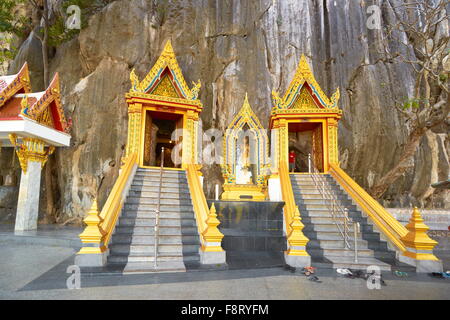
x=234, y=47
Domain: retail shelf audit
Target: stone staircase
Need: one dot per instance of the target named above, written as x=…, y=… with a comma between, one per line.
x=132, y=244
x=326, y=245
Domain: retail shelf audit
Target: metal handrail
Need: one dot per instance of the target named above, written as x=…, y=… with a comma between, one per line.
x=339, y=214
x=158, y=206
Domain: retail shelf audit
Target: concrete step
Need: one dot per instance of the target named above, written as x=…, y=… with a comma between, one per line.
x=343, y=202
x=303, y=183
x=165, y=184
x=154, y=188
x=316, y=196
x=319, y=212
x=346, y=262
x=330, y=226
x=156, y=179
x=338, y=252
x=166, y=201
x=317, y=227
x=166, y=173
x=150, y=222
x=118, y=248
x=134, y=257
x=336, y=235
x=164, y=214
x=150, y=239
x=325, y=220
x=298, y=188
x=322, y=206
x=163, y=230
x=338, y=243
x=154, y=195
x=148, y=267
x=164, y=207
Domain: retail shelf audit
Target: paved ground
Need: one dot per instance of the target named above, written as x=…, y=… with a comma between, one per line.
x=39, y=272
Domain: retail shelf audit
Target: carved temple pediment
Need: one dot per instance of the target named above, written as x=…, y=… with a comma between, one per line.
x=304, y=93
x=13, y=84
x=165, y=79
x=43, y=107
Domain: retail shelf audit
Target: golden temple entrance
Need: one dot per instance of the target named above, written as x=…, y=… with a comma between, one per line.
x=163, y=130
x=163, y=112
x=306, y=140
x=305, y=120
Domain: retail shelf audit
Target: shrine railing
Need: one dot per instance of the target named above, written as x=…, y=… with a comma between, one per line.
x=207, y=222
x=198, y=199
x=113, y=205
x=385, y=222
x=296, y=239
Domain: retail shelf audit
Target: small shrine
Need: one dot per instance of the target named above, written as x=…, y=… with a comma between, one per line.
x=305, y=107
x=246, y=161
x=33, y=124
x=163, y=112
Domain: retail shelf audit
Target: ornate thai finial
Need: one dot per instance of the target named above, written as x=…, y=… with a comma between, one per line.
x=212, y=233
x=246, y=104
x=303, y=65
x=335, y=98
x=93, y=233
x=168, y=50
x=419, y=246
x=417, y=236
x=134, y=81
x=195, y=89
x=13, y=139
x=277, y=101
x=24, y=105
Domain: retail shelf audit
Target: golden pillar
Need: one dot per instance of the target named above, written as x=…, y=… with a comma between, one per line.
x=274, y=148
x=134, y=129
x=283, y=138
x=189, y=138
x=333, y=152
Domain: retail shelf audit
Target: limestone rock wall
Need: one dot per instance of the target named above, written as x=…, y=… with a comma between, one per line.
x=234, y=47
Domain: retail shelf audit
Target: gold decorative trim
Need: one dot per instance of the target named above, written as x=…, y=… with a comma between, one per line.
x=303, y=74
x=30, y=149
x=245, y=116
x=21, y=81
x=166, y=60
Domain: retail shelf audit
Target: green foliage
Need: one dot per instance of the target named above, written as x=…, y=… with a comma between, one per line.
x=9, y=20
x=413, y=103
x=10, y=24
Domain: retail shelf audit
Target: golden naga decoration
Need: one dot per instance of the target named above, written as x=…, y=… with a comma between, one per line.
x=134, y=81
x=168, y=60
x=24, y=105
x=30, y=149
x=303, y=75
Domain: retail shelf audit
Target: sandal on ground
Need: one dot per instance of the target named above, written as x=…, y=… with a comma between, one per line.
x=436, y=275
x=344, y=272
x=314, y=278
